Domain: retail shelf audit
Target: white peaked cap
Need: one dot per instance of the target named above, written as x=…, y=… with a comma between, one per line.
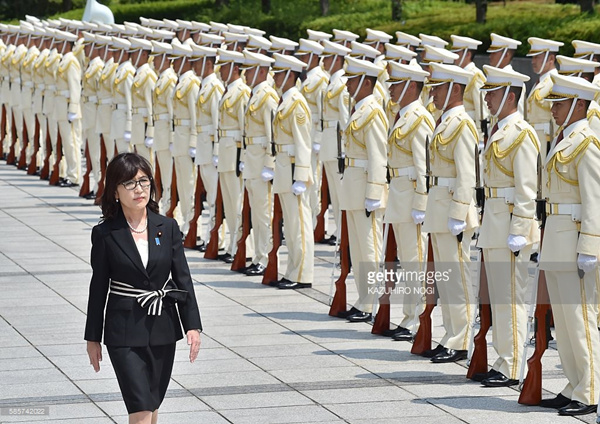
x=184, y=24
x=360, y=49
x=253, y=59
x=570, y=65
x=406, y=72
x=340, y=35
x=585, y=48
x=88, y=37
x=178, y=49
x=158, y=47
x=140, y=43
x=502, y=77
x=121, y=43
x=500, y=42
x=462, y=43
x=202, y=51
x=358, y=67
x=285, y=62
x=218, y=27
x=432, y=40
x=442, y=73
x=405, y=39
x=235, y=37
x=103, y=40
x=211, y=39
x=32, y=19
x=374, y=35
x=254, y=31
x=309, y=46
x=540, y=45
x=163, y=34
x=434, y=54
x=258, y=42
x=169, y=24
x=236, y=29
x=396, y=52
x=278, y=43
x=227, y=56
x=334, y=49
x=318, y=35
x=200, y=27
x=565, y=88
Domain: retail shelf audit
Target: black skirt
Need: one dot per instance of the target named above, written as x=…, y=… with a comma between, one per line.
x=143, y=374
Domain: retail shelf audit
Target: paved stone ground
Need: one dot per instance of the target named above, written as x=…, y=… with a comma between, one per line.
x=268, y=356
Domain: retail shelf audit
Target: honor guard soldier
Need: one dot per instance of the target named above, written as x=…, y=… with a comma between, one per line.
x=89, y=108
x=51, y=67
x=291, y=127
x=105, y=100
x=142, y=90
x=163, y=119
x=451, y=216
x=15, y=87
x=408, y=192
x=377, y=40
x=590, y=51
x=543, y=57
x=259, y=163
x=313, y=89
x=570, y=244
x=5, y=87
x=209, y=98
x=27, y=89
x=363, y=191
x=345, y=38
x=432, y=54
x=121, y=93
x=336, y=112
x=235, y=41
x=228, y=146
x=502, y=50
x=184, y=140
x=466, y=48
x=67, y=109
x=38, y=91
x=509, y=228
x=364, y=52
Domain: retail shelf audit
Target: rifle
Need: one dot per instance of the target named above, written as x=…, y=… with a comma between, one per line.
x=340, y=157
x=271, y=275
x=22, y=163
x=422, y=342
x=103, y=164
x=32, y=168
x=54, y=175
x=338, y=305
x=85, y=184
x=174, y=197
x=319, y=233
x=484, y=123
x=239, y=250
x=192, y=234
x=212, y=249
x=531, y=389
x=11, y=158
x=382, y=319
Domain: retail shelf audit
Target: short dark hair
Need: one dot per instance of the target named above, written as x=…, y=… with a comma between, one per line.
x=517, y=92
x=121, y=168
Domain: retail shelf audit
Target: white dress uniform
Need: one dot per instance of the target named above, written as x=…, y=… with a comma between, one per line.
x=27, y=88
x=38, y=100
x=163, y=131
x=105, y=106
x=123, y=105
x=231, y=119
x=473, y=99
x=408, y=192
x=209, y=98
x=89, y=97
x=5, y=91
x=452, y=196
x=51, y=67
x=263, y=102
x=67, y=100
x=185, y=135
x=142, y=122
x=15, y=93
x=538, y=111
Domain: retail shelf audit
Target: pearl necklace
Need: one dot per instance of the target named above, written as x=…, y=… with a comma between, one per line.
x=138, y=231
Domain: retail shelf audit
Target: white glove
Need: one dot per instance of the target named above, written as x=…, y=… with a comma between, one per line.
x=71, y=116
x=171, y=147
x=586, y=263
x=192, y=152
x=149, y=141
x=418, y=216
x=127, y=136
x=371, y=205
x=298, y=187
x=456, y=226
x=516, y=243
x=241, y=167
x=267, y=174
x=215, y=161
x=316, y=147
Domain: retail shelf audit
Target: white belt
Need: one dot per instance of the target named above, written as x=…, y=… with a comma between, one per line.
x=91, y=99
x=263, y=140
x=17, y=81
x=41, y=86
x=329, y=124
x=507, y=193
x=64, y=93
x=140, y=110
x=544, y=126
x=182, y=122
x=443, y=181
x=407, y=171
x=573, y=209
x=28, y=84
x=290, y=149
x=51, y=87
x=121, y=106
x=356, y=163
x=205, y=128
x=230, y=133
x=6, y=79
x=153, y=300
x=161, y=117
x=106, y=101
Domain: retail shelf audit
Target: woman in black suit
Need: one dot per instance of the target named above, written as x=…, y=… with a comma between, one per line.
x=138, y=255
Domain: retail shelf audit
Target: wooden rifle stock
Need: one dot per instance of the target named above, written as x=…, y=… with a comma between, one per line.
x=32, y=167
x=103, y=164
x=54, y=176
x=158, y=179
x=45, y=171
x=212, y=249
x=422, y=340
x=3, y=125
x=173, y=203
x=239, y=260
x=271, y=272
x=338, y=304
x=191, y=236
x=479, y=364
x=320, y=227
x=11, y=159
x=382, y=319
x=22, y=163
x=85, y=184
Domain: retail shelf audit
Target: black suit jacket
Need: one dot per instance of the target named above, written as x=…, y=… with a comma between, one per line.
x=115, y=256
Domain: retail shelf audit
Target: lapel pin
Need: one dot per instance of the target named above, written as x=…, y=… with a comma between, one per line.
x=157, y=238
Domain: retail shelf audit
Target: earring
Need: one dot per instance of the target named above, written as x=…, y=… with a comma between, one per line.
x=117, y=200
